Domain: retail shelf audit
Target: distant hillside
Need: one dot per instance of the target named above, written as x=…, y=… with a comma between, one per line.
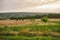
x=14, y=14
x=19, y=14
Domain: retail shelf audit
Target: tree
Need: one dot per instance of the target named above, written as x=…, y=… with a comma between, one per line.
x=22, y=18
x=13, y=18
x=32, y=18
x=44, y=19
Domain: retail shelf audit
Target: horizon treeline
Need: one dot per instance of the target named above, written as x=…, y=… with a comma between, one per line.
x=22, y=16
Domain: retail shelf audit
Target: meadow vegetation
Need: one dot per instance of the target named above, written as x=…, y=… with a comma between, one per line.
x=31, y=32
x=47, y=31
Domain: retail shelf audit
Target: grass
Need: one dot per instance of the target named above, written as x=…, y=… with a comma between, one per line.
x=29, y=38
x=54, y=28
x=30, y=32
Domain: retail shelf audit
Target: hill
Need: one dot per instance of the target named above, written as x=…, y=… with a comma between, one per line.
x=18, y=14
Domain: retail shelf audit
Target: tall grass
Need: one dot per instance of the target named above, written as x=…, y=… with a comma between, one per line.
x=31, y=32
x=29, y=38
x=54, y=28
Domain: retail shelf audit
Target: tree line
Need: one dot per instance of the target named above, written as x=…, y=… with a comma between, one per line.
x=44, y=18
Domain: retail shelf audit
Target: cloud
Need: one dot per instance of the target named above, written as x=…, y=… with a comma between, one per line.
x=29, y=6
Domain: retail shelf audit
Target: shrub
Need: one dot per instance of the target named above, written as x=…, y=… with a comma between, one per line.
x=44, y=19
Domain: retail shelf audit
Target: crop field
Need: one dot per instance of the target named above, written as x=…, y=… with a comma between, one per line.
x=30, y=30
x=27, y=22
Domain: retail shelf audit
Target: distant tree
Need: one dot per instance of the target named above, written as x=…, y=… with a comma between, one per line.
x=12, y=18
x=22, y=18
x=32, y=18
x=44, y=19
x=16, y=18
x=38, y=16
x=19, y=18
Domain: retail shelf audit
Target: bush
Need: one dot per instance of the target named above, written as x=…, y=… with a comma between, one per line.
x=44, y=19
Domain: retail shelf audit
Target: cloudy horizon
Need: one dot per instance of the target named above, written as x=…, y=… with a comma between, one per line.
x=50, y=6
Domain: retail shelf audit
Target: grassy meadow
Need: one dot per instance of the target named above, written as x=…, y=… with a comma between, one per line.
x=30, y=30
x=37, y=27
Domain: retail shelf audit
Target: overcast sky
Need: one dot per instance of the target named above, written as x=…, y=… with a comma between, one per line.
x=30, y=6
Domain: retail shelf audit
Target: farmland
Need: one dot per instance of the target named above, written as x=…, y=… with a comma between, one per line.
x=27, y=22
x=32, y=27
x=51, y=32
x=30, y=30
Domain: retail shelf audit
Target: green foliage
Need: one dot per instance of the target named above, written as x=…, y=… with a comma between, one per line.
x=16, y=28
x=22, y=18
x=44, y=19
x=12, y=18
x=54, y=28
x=13, y=33
x=17, y=18
x=32, y=18
x=29, y=38
x=26, y=15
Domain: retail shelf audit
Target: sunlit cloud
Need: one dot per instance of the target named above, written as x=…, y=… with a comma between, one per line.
x=30, y=6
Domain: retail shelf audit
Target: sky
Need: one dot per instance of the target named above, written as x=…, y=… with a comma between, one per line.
x=50, y=6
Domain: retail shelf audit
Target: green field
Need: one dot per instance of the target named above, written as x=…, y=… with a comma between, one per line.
x=31, y=28
x=30, y=32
